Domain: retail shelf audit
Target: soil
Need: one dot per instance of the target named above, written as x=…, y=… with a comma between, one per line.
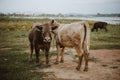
x=103, y=65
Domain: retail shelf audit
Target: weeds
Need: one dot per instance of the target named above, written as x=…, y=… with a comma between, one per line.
x=92, y=59
x=118, y=60
x=104, y=65
x=114, y=67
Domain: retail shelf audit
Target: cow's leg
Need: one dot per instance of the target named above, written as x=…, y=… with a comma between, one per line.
x=80, y=56
x=31, y=51
x=86, y=61
x=47, y=54
x=37, y=54
x=92, y=29
x=47, y=58
x=96, y=29
x=62, y=57
x=86, y=55
x=58, y=54
x=105, y=29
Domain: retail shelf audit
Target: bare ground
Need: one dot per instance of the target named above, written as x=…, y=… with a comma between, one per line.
x=103, y=65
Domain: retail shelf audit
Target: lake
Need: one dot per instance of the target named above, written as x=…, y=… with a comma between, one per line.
x=109, y=20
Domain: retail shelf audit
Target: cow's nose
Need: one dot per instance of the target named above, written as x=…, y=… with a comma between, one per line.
x=47, y=39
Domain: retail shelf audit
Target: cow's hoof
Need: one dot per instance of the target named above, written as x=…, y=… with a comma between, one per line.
x=86, y=69
x=77, y=68
x=57, y=62
x=62, y=61
x=48, y=65
x=37, y=64
x=37, y=61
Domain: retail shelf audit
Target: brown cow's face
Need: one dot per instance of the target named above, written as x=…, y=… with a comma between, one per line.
x=46, y=30
x=47, y=33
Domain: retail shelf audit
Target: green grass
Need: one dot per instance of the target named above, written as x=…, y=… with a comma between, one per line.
x=14, y=63
x=106, y=40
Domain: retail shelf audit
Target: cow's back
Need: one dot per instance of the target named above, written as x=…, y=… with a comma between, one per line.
x=72, y=35
x=100, y=24
x=31, y=34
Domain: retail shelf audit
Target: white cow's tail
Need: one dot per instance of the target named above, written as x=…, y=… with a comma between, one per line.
x=85, y=31
x=85, y=34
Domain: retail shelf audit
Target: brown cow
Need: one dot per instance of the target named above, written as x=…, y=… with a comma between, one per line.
x=40, y=38
x=101, y=25
x=75, y=35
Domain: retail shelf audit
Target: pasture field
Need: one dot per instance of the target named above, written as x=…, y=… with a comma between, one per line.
x=14, y=63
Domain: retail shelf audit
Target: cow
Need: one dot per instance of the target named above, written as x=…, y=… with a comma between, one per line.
x=101, y=25
x=40, y=38
x=75, y=35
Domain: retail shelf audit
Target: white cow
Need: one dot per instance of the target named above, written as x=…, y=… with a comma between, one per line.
x=75, y=35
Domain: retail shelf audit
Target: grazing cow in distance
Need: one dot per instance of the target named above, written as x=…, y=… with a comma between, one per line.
x=75, y=35
x=101, y=25
x=40, y=38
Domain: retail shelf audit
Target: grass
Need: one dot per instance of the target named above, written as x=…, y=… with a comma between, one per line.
x=15, y=66
x=104, y=65
x=114, y=67
x=106, y=40
x=14, y=63
x=93, y=59
x=118, y=60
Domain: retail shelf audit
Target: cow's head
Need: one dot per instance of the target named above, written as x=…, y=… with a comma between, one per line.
x=47, y=29
x=54, y=26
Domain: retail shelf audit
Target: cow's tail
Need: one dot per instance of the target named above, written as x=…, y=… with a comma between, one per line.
x=85, y=34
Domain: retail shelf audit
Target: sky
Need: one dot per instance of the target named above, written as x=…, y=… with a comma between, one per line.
x=60, y=6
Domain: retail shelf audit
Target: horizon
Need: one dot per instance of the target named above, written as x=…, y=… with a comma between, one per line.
x=60, y=6
x=58, y=13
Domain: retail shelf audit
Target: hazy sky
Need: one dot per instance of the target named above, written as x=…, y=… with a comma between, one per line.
x=60, y=6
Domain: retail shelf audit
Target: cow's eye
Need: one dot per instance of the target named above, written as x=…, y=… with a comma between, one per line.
x=43, y=33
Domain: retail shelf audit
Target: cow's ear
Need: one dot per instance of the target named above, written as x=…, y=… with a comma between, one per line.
x=39, y=28
x=52, y=21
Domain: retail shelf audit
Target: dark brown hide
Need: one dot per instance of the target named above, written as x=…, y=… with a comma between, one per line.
x=101, y=25
x=40, y=39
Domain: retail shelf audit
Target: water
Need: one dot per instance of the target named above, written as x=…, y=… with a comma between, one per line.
x=109, y=20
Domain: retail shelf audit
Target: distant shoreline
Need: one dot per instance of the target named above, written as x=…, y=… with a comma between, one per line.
x=109, y=20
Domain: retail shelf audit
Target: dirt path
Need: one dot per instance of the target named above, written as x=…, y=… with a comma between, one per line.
x=103, y=65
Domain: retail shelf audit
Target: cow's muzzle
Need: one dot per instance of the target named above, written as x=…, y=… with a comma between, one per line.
x=47, y=39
